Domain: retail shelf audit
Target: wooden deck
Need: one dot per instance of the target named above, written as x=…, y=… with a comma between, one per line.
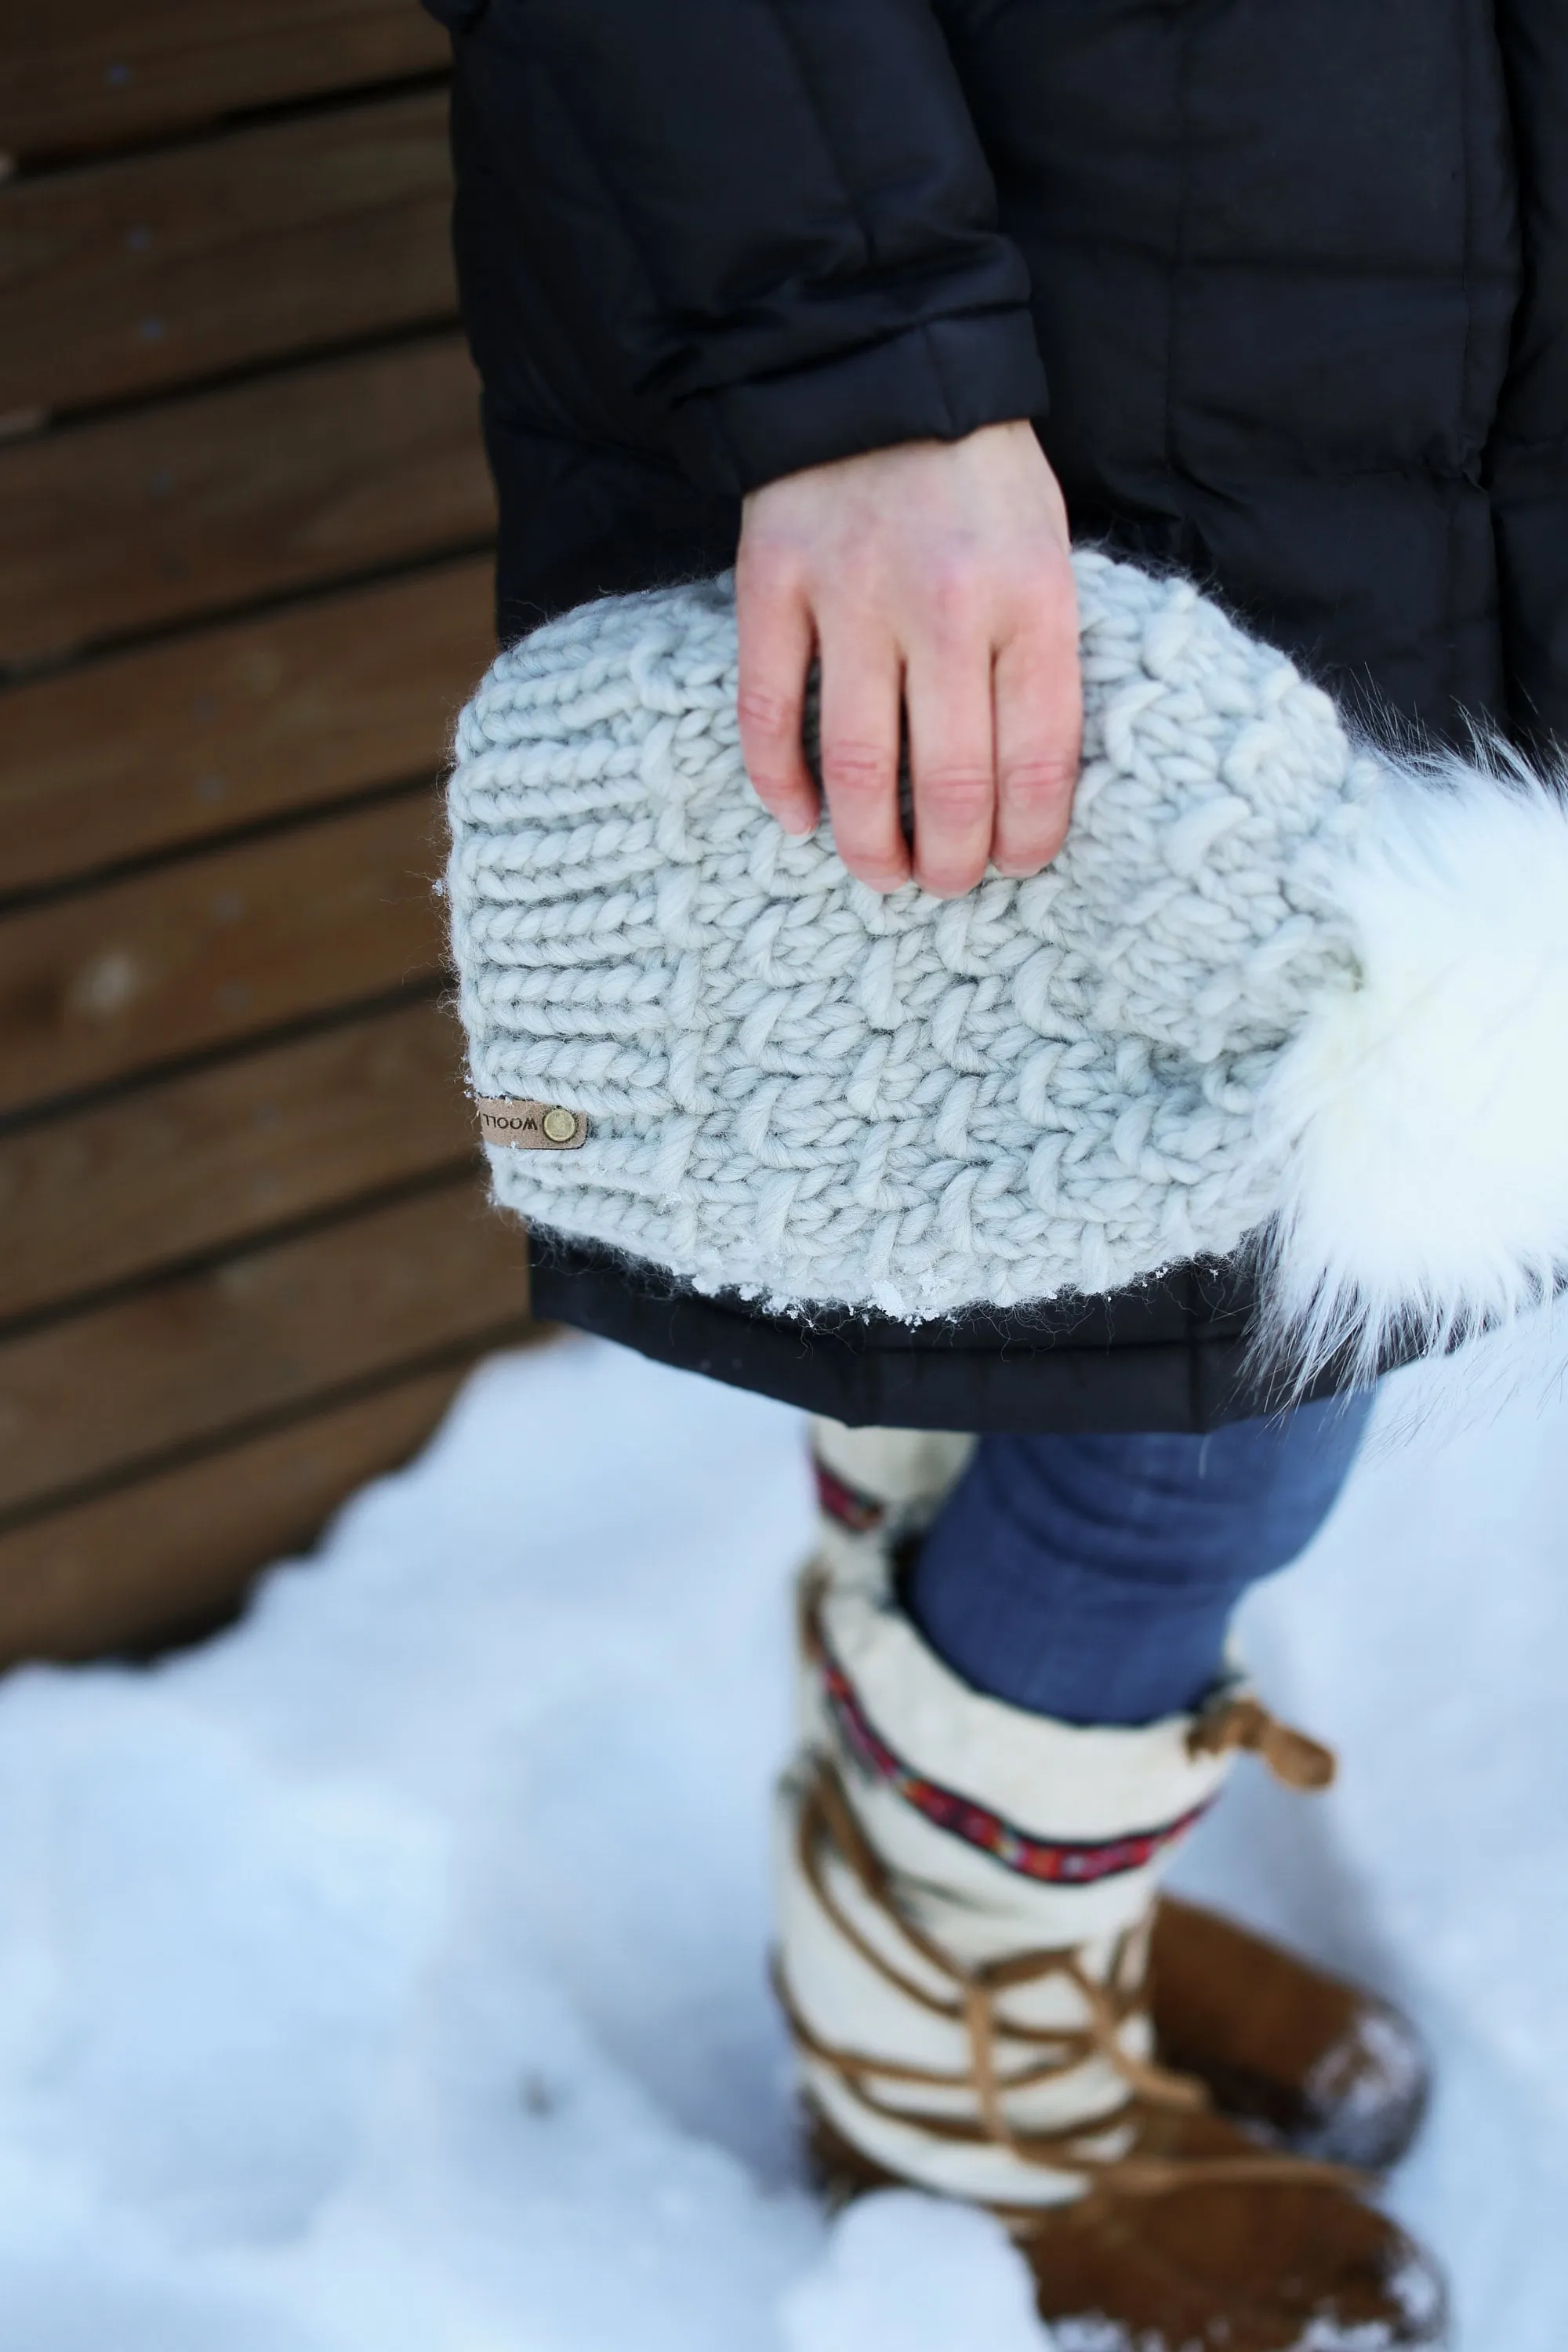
x=245, y=520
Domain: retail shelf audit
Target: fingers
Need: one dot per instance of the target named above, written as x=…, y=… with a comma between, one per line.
x=994, y=736
x=947, y=693
x=940, y=571
x=1038, y=701
x=860, y=692
x=858, y=725
x=776, y=638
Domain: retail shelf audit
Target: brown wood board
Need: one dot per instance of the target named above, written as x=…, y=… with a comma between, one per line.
x=200, y=1356
x=132, y=275
x=286, y=482
x=218, y=947
x=175, y=1552
x=144, y=752
x=99, y=71
x=210, y=1160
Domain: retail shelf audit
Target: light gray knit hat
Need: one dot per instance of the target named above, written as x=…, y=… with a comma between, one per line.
x=1275, y=990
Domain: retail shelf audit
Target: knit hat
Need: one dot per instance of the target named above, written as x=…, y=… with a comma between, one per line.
x=1277, y=991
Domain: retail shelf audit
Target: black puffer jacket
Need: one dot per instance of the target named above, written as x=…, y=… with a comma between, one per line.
x=1285, y=289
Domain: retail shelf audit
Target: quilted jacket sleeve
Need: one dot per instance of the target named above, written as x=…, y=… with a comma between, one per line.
x=1529, y=455
x=769, y=221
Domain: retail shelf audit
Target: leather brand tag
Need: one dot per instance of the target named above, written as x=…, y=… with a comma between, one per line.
x=531, y=1126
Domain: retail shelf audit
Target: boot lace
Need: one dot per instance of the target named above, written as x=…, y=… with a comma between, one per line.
x=828, y=1826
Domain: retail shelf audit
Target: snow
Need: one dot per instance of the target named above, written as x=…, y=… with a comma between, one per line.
x=907, y=2274
x=389, y=1972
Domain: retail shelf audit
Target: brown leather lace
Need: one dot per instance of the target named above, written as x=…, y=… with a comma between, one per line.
x=828, y=1823
x=1245, y=1723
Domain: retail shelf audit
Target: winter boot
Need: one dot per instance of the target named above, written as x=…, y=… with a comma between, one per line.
x=1304, y=2058
x=968, y=1906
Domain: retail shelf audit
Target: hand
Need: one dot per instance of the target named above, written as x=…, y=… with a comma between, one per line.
x=933, y=576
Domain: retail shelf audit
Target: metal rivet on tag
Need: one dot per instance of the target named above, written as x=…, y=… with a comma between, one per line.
x=559, y=1126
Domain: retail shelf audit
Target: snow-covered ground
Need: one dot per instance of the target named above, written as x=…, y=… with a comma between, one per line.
x=388, y=1975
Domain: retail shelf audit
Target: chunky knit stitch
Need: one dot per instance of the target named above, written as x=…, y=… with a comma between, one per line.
x=807, y=1093
x=1275, y=985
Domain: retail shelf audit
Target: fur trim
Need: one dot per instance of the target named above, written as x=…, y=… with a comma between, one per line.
x=1423, y=1111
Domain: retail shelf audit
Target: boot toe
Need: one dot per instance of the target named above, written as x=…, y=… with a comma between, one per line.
x=1315, y=2063
x=1233, y=2269
x=1260, y=2264
x=1363, y=2102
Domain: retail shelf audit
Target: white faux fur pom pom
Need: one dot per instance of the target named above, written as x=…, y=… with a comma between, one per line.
x=1425, y=1112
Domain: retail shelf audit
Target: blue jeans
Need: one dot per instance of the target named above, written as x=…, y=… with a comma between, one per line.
x=1093, y=1579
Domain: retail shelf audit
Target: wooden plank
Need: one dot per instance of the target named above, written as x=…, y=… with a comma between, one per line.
x=217, y=948
x=132, y=275
x=100, y=71
x=201, y=1356
x=175, y=1553
x=145, y=750
x=279, y=484
x=208, y=1160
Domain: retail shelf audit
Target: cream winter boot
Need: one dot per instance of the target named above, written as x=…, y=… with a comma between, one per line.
x=968, y=1898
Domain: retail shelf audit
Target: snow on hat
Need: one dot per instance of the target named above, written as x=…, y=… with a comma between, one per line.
x=1277, y=991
